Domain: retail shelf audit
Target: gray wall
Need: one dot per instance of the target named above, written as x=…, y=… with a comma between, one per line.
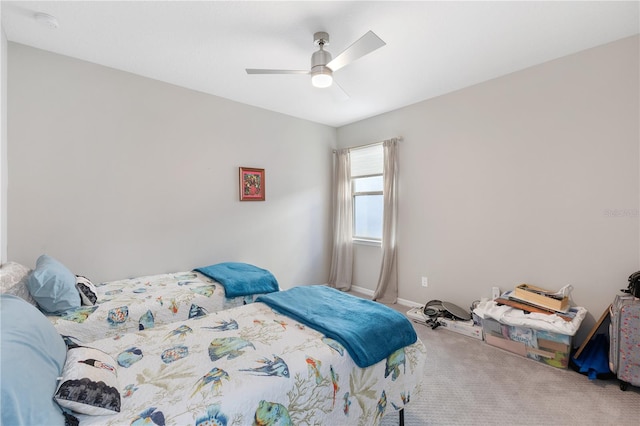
x=3, y=146
x=118, y=175
x=532, y=177
x=529, y=178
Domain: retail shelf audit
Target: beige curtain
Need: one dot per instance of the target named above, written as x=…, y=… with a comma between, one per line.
x=341, y=272
x=387, y=288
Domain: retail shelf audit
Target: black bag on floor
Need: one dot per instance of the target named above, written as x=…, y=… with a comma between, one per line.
x=634, y=285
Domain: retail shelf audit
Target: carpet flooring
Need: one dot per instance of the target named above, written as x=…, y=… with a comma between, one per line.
x=468, y=382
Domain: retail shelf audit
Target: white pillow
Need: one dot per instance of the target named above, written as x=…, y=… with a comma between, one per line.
x=88, y=291
x=13, y=280
x=89, y=383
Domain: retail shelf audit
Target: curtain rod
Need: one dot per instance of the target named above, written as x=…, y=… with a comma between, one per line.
x=399, y=138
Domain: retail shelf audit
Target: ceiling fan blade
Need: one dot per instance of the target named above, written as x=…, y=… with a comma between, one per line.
x=259, y=71
x=338, y=92
x=363, y=46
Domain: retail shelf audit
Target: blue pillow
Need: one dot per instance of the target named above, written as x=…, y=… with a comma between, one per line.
x=33, y=354
x=53, y=286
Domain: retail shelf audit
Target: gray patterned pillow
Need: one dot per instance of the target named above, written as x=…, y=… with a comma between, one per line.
x=13, y=280
x=87, y=290
x=89, y=383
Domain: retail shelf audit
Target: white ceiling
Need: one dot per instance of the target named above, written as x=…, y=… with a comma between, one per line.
x=432, y=47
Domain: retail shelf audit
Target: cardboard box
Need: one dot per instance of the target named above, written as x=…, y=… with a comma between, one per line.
x=536, y=295
x=543, y=346
x=467, y=328
x=508, y=345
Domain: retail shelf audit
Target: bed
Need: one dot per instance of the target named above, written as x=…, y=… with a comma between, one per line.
x=87, y=312
x=145, y=302
x=253, y=364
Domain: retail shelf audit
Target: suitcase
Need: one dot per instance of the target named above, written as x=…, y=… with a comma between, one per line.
x=624, y=345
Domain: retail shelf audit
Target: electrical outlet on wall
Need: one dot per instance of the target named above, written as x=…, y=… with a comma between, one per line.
x=425, y=282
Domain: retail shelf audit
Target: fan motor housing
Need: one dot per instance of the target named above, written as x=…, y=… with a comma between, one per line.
x=320, y=58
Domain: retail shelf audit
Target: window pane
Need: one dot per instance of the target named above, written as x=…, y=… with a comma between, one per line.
x=368, y=184
x=368, y=216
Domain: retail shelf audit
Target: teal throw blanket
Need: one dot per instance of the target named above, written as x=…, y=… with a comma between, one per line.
x=241, y=279
x=368, y=330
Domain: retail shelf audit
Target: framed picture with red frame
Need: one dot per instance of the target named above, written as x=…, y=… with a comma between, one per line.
x=251, y=184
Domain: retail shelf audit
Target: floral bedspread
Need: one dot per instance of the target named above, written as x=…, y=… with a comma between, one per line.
x=142, y=303
x=251, y=365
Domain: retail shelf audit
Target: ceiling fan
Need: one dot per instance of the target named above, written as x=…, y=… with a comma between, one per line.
x=322, y=66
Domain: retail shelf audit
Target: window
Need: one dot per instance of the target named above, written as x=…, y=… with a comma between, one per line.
x=367, y=186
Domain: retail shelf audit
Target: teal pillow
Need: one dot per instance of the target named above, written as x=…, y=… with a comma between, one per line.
x=53, y=286
x=32, y=358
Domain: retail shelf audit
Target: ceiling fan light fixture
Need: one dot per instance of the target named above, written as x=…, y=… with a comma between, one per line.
x=321, y=77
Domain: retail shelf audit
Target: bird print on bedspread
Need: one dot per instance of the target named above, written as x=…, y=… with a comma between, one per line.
x=197, y=311
x=181, y=332
x=224, y=326
x=149, y=417
x=405, y=400
x=282, y=323
x=277, y=367
x=214, y=377
x=382, y=406
x=129, y=390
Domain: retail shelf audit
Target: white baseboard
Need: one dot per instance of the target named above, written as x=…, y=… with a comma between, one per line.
x=362, y=290
x=403, y=302
x=410, y=303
